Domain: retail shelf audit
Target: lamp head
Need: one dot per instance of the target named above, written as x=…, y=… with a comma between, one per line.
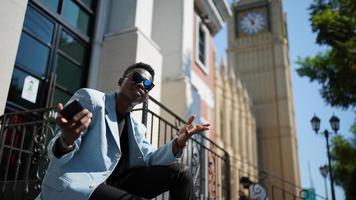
x=324, y=170
x=315, y=122
x=335, y=123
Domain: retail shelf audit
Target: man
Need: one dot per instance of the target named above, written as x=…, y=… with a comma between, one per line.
x=101, y=153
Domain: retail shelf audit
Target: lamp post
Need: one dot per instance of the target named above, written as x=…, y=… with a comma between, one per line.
x=335, y=125
x=324, y=171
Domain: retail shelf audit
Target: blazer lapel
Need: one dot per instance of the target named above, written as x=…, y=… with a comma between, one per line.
x=111, y=118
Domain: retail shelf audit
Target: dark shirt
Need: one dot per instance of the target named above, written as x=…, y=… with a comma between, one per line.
x=122, y=166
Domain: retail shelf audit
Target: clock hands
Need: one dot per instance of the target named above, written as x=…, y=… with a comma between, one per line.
x=253, y=22
x=249, y=17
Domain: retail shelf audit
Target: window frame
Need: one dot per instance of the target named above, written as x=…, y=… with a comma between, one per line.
x=54, y=52
x=199, y=25
x=59, y=18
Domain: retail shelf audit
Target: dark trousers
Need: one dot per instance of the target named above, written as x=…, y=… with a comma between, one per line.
x=147, y=183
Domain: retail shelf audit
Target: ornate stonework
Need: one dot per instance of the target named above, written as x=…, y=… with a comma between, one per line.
x=235, y=126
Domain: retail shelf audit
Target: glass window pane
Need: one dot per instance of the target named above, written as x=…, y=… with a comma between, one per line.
x=38, y=25
x=32, y=54
x=52, y=4
x=201, y=45
x=16, y=86
x=76, y=16
x=60, y=97
x=72, y=47
x=88, y=3
x=69, y=75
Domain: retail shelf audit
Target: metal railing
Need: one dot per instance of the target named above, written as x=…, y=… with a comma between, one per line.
x=276, y=187
x=208, y=162
x=23, y=139
x=23, y=158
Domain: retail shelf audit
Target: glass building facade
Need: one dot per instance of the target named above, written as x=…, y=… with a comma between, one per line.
x=54, y=44
x=52, y=62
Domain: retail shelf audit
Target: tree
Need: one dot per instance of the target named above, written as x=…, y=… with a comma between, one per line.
x=343, y=154
x=334, y=21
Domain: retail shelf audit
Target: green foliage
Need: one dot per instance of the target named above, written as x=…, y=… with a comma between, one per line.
x=343, y=154
x=334, y=22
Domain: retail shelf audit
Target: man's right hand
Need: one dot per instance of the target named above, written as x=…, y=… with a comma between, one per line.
x=72, y=128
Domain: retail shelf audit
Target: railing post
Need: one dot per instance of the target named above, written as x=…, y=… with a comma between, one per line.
x=4, y=120
x=228, y=176
x=145, y=112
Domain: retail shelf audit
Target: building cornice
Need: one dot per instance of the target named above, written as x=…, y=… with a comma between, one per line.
x=214, y=13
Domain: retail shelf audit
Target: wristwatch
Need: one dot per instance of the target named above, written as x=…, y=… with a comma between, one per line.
x=64, y=145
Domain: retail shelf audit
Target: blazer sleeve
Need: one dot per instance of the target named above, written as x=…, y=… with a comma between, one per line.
x=162, y=156
x=85, y=100
x=153, y=156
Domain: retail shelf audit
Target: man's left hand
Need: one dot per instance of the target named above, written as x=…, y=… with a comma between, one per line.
x=190, y=129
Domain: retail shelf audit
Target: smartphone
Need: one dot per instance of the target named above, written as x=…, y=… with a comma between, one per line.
x=71, y=109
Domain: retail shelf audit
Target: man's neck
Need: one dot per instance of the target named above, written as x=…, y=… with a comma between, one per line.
x=123, y=104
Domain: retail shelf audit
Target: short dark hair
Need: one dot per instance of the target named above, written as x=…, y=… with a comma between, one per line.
x=245, y=179
x=135, y=66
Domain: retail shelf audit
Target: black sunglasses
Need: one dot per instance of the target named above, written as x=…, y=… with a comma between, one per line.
x=137, y=78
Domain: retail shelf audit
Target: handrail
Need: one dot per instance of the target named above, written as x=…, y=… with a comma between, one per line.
x=206, y=145
x=28, y=111
x=182, y=120
x=263, y=175
x=201, y=160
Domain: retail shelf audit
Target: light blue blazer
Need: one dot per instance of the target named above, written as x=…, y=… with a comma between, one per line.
x=75, y=175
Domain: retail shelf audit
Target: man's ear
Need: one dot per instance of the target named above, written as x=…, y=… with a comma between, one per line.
x=120, y=81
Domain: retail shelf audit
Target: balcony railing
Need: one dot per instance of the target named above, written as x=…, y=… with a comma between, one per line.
x=276, y=187
x=209, y=163
x=23, y=157
x=23, y=140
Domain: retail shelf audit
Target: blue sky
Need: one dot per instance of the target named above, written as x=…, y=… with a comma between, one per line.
x=307, y=100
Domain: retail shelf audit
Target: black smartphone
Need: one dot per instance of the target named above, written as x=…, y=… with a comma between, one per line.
x=71, y=109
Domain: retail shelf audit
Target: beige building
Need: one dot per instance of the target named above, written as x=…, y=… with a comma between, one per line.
x=235, y=126
x=258, y=52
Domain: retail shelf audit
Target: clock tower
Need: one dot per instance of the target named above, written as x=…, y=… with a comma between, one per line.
x=258, y=51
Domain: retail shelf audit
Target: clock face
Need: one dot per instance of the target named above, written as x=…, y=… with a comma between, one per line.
x=253, y=22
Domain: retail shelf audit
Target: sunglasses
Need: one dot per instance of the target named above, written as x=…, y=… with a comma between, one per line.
x=147, y=84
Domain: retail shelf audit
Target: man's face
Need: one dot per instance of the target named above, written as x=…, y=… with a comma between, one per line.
x=134, y=90
x=245, y=185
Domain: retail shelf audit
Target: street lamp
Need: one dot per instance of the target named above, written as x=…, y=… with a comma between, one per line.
x=324, y=171
x=335, y=125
